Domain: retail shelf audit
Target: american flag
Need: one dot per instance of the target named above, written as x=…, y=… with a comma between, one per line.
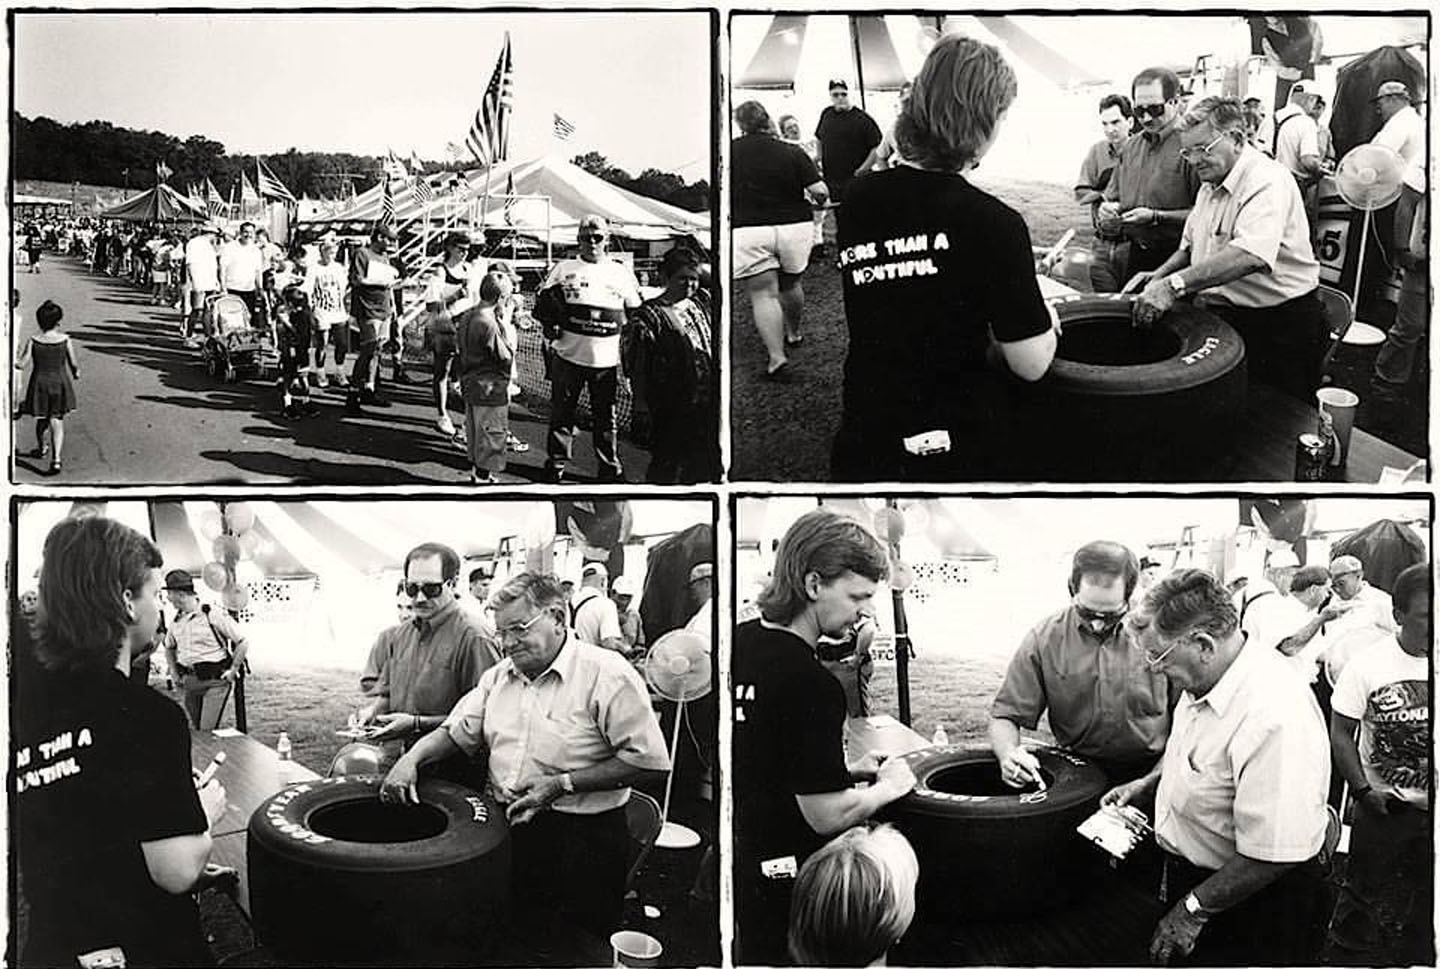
x=489, y=136
x=270, y=186
x=416, y=165
x=387, y=205
x=248, y=195
x=510, y=199
x=423, y=191
x=163, y=171
x=563, y=128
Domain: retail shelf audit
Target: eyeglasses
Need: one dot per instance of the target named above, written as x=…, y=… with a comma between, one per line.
x=432, y=590
x=1192, y=152
x=516, y=631
x=1151, y=110
x=839, y=94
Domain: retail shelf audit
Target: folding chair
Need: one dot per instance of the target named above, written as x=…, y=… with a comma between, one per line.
x=1339, y=314
x=643, y=821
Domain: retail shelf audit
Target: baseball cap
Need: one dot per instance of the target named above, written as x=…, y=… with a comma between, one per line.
x=704, y=570
x=178, y=580
x=1344, y=565
x=594, y=568
x=624, y=586
x=384, y=230
x=1392, y=87
x=838, y=84
x=457, y=239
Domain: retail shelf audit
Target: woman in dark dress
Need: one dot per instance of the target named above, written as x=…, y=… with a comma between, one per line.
x=941, y=299
x=110, y=831
x=50, y=394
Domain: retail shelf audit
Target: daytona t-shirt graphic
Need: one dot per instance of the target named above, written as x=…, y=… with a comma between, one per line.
x=1399, y=715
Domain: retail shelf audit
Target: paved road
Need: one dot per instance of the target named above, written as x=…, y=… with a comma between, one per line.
x=149, y=414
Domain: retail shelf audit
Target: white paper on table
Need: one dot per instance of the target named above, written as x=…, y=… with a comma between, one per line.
x=226, y=732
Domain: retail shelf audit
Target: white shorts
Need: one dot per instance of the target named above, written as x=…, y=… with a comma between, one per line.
x=759, y=248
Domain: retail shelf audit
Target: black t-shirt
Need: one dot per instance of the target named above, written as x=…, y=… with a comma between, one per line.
x=98, y=766
x=768, y=183
x=846, y=137
x=930, y=266
x=789, y=720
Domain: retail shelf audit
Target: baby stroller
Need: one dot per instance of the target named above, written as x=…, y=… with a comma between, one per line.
x=235, y=347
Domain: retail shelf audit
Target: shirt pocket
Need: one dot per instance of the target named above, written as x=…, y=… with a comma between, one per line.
x=1207, y=786
x=560, y=745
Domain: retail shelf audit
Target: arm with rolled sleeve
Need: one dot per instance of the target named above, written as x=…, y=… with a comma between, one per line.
x=1253, y=247
x=1022, y=697
x=628, y=722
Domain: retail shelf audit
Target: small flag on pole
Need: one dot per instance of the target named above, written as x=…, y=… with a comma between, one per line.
x=510, y=199
x=394, y=167
x=423, y=192
x=387, y=204
x=163, y=171
x=248, y=195
x=489, y=136
x=563, y=128
x=453, y=151
x=416, y=165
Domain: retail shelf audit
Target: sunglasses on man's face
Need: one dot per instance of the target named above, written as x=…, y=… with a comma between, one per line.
x=1151, y=110
x=593, y=236
x=432, y=590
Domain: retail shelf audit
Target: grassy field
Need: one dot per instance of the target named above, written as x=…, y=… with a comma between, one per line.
x=309, y=703
x=948, y=690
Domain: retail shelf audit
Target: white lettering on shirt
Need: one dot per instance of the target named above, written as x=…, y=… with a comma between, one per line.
x=897, y=246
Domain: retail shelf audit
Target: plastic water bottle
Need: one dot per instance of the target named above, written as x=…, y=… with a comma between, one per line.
x=283, y=748
x=940, y=738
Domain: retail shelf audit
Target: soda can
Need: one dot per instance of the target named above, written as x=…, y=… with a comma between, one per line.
x=1312, y=458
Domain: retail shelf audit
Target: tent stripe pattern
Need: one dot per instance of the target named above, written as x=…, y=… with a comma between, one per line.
x=489, y=136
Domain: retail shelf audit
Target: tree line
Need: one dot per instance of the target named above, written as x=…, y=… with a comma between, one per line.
x=99, y=153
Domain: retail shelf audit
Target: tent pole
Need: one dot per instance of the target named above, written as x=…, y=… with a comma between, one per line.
x=859, y=60
x=902, y=634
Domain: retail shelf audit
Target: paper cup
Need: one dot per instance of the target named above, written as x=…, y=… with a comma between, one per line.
x=1340, y=404
x=635, y=950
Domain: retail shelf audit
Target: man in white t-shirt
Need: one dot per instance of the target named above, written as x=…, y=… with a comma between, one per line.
x=1385, y=910
x=326, y=282
x=1404, y=131
x=583, y=304
x=1367, y=619
x=242, y=269
x=593, y=614
x=202, y=276
x=1267, y=612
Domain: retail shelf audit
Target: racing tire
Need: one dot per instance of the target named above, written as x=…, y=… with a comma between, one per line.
x=337, y=876
x=1121, y=403
x=991, y=852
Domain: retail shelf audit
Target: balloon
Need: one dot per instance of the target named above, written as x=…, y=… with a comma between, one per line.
x=226, y=549
x=236, y=597
x=248, y=573
x=215, y=576
x=240, y=517
x=902, y=576
x=210, y=525
x=250, y=543
x=890, y=524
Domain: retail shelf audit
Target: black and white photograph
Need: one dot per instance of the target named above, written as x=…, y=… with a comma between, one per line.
x=370, y=247
x=281, y=732
x=1088, y=731
x=1079, y=248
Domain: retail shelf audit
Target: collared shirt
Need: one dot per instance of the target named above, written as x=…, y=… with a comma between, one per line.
x=1368, y=622
x=1268, y=616
x=1256, y=208
x=1103, y=699
x=1151, y=172
x=193, y=637
x=1405, y=133
x=588, y=706
x=380, y=653
x=435, y=662
x=1294, y=140
x=1096, y=171
x=1246, y=769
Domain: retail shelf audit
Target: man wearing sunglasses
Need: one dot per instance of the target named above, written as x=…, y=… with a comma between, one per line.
x=436, y=657
x=1083, y=666
x=1240, y=792
x=568, y=728
x=582, y=305
x=1153, y=188
x=1245, y=249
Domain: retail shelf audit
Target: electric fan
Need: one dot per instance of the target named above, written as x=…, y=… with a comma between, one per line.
x=678, y=668
x=1368, y=178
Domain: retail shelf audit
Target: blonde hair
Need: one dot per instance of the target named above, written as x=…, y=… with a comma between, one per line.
x=854, y=898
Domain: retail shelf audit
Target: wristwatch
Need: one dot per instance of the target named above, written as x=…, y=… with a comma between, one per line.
x=1177, y=284
x=1193, y=908
x=567, y=783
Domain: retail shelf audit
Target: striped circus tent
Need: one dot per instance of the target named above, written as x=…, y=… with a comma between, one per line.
x=572, y=191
